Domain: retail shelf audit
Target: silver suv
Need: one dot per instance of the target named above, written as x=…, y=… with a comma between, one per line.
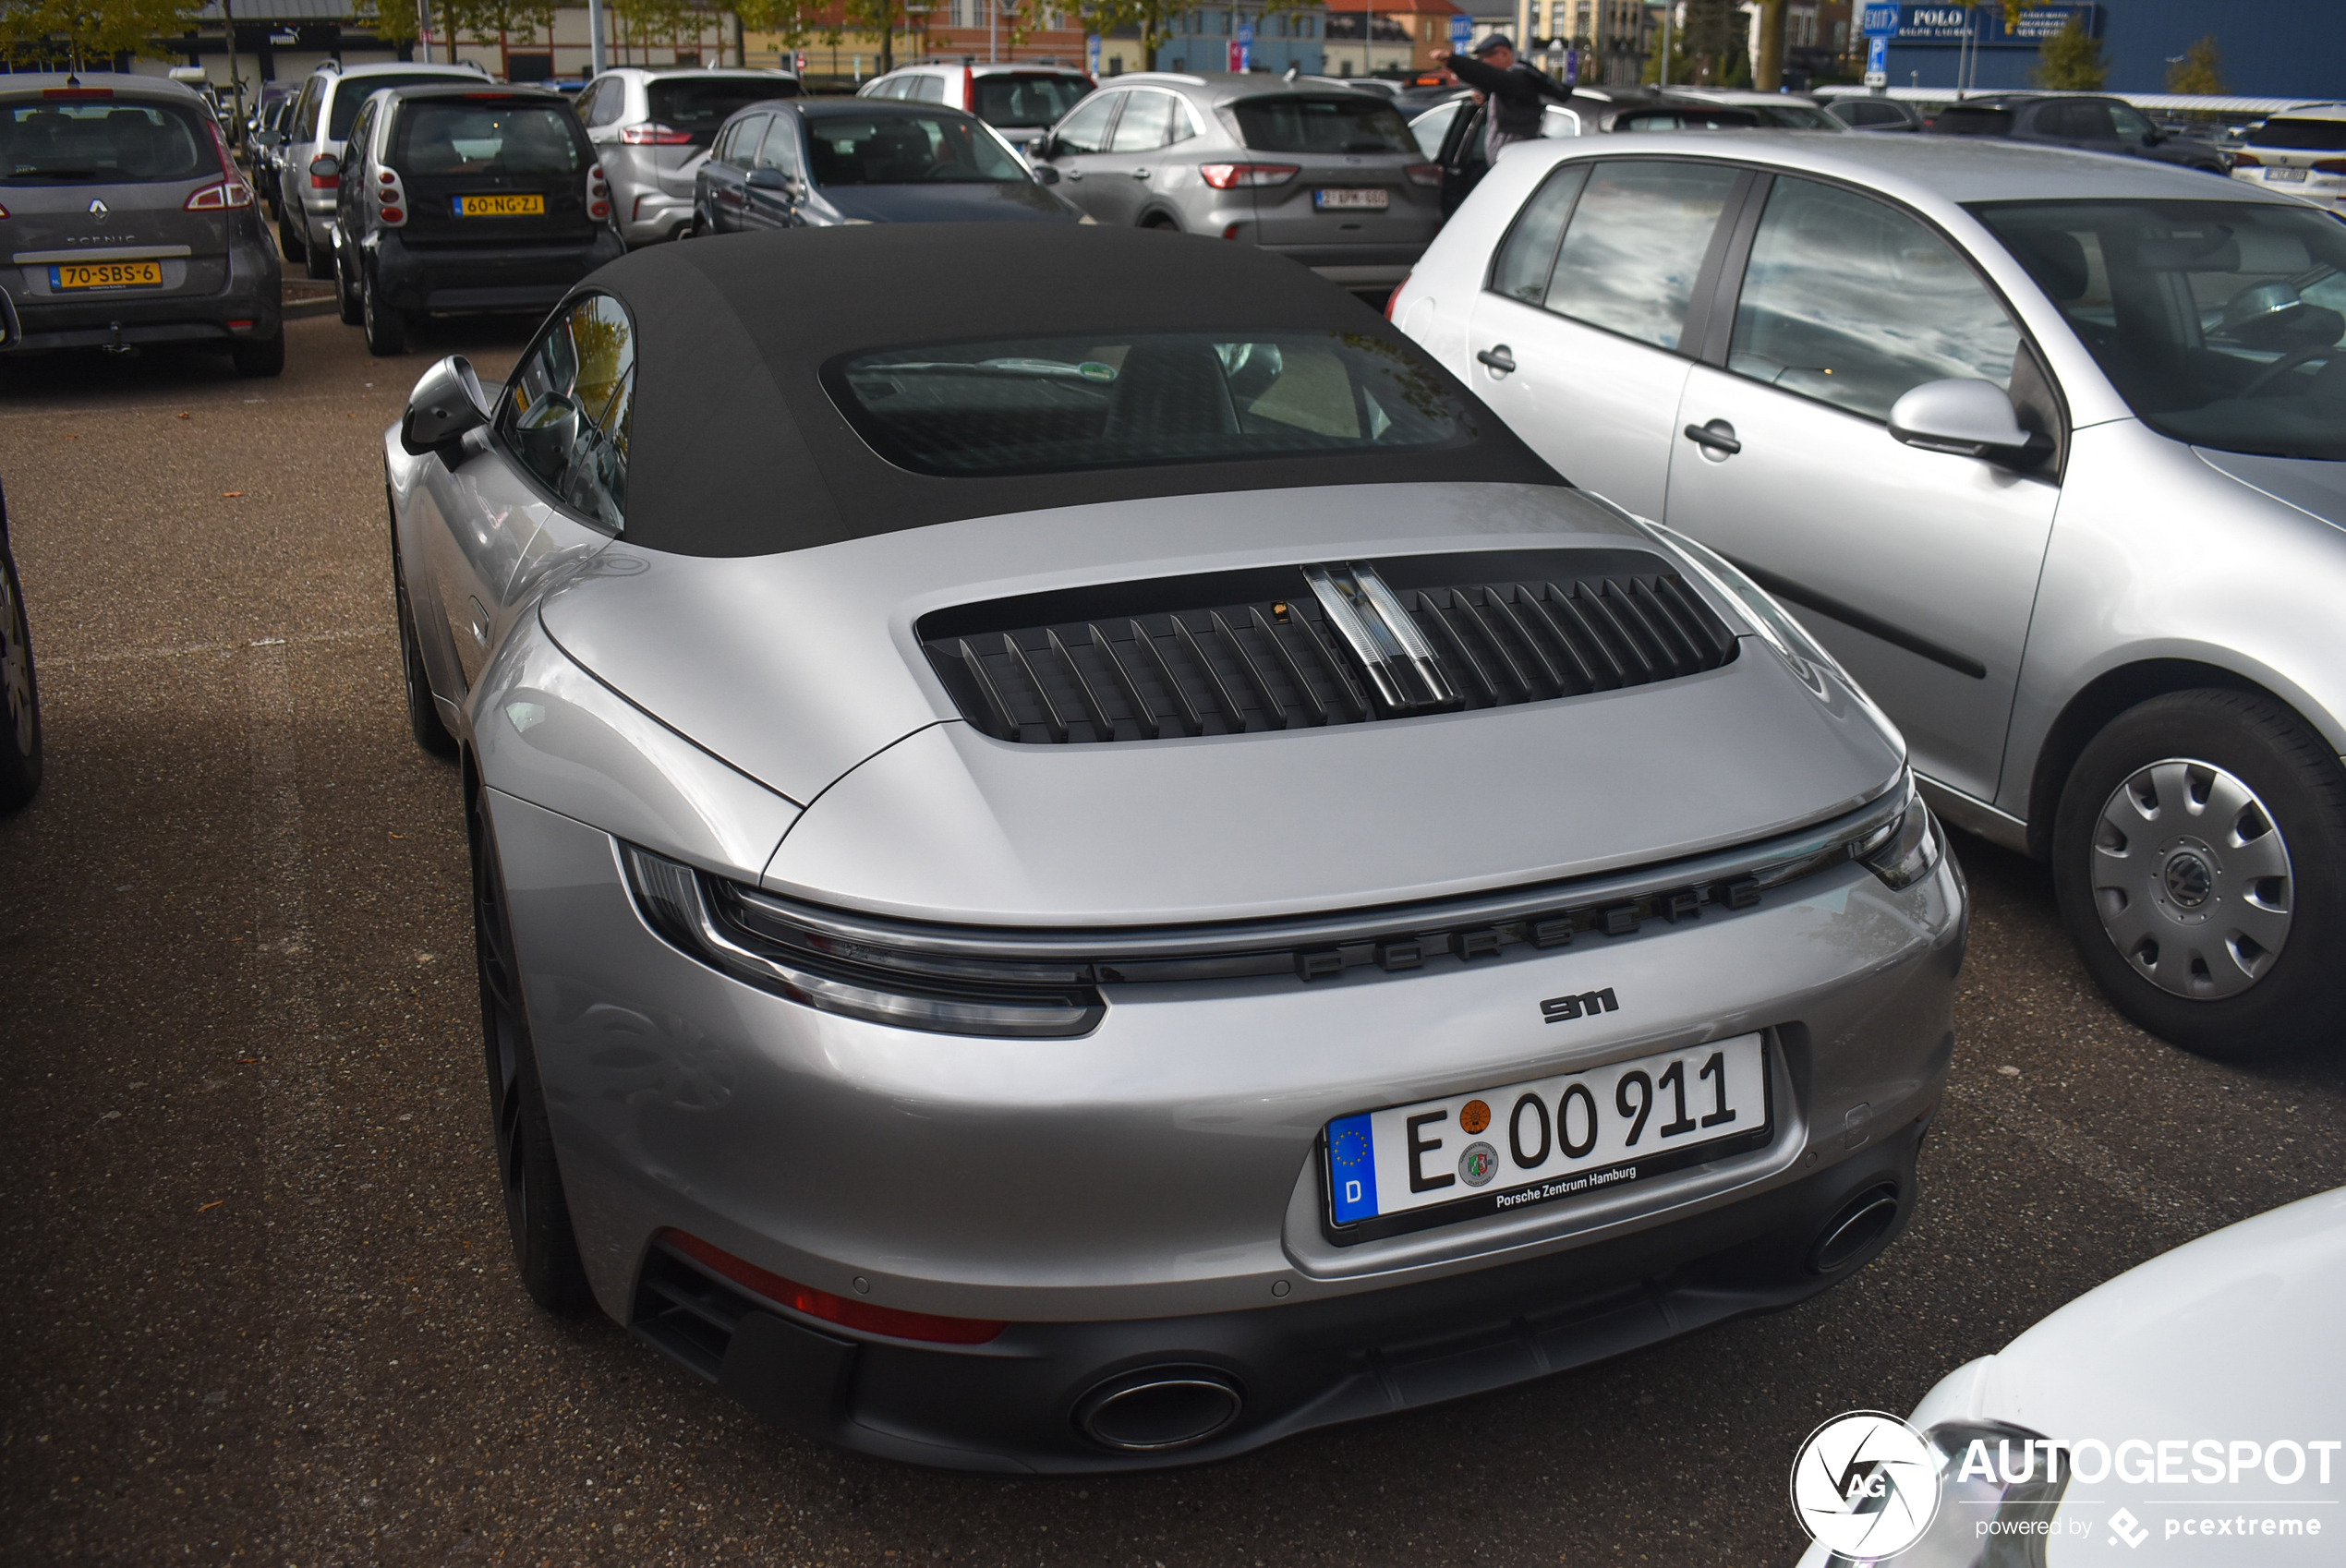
x=1325, y=177
x=1020, y=99
x=651, y=129
x=321, y=118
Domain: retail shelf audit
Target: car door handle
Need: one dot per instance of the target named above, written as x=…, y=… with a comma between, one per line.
x=1140, y=174
x=1498, y=357
x=1718, y=436
x=1070, y=174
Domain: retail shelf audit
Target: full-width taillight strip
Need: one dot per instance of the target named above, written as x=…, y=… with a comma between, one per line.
x=831, y=1309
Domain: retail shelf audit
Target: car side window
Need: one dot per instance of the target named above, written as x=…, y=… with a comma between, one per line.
x=929, y=90
x=305, y=115
x=1086, y=130
x=2130, y=125
x=1635, y=245
x=1854, y=303
x=747, y=137
x=1527, y=256
x=568, y=409
x=610, y=102
x=1148, y=123
x=779, y=149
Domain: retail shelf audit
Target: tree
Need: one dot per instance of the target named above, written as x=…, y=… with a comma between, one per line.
x=1715, y=44
x=482, y=20
x=393, y=21
x=2200, y=71
x=2071, y=58
x=1769, y=76
x=81, y=32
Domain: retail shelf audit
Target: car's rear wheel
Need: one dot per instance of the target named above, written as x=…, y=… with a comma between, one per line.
x=289, y=240
x=346, y=298
x=19, y=696
x=386, y=325
x=537, y=1214
x=318, y=261
x=260, y=356
x=2199, y=856
x=423, y=714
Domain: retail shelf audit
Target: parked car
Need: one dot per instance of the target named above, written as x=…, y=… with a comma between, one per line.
x=1868, y=113
x=2302, y=152
x=1777, y=111
x=2043, y=446
x=2125, y=1369
x=460, y=200
x=1020, y=99
x=267, y=146
x=651, y=129
x=329, y=100
x=1302, y=912
x=813, y=163
x=1324, y=177
x=1594, y=111
x=2075, y=120
x=129, y=224
x=19, y=690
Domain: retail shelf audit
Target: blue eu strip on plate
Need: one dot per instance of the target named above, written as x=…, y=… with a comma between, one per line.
x=1352, y=1169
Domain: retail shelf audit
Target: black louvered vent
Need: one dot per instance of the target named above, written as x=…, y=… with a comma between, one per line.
x=1230, y=653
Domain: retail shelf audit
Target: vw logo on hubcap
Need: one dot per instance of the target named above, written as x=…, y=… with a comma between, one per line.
x=2189, y=882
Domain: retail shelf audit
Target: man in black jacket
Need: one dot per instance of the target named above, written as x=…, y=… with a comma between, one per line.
x=1515, y=91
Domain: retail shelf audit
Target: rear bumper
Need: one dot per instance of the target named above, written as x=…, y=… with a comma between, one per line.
x=252, y=296
x=1354, y=264
x=649, y=214
x=1014, y=1405
x=459, y=280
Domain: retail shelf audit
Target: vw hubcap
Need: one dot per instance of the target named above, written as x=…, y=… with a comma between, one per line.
x=16, y=669
x=2192, y=879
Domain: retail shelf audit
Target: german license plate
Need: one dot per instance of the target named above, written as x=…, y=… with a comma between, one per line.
x=107, y=274
x=1371, y=197
x=499, y=206
x=1496, y=1150
x=2285, y=173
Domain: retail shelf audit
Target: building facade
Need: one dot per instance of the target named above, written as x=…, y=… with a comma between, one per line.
x=1226, y=38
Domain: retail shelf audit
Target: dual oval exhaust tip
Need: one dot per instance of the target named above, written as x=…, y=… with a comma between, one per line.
x=1852, y=1233
x=1159, y=1408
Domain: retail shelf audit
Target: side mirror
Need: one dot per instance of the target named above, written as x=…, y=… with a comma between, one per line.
x=446, y=403
x=1045, y=174
x=770, y=179
x=1047, y=146
x=1967, y=418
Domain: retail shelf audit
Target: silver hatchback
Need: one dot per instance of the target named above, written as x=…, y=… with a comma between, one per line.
x=1324, y=175
x=652, y=129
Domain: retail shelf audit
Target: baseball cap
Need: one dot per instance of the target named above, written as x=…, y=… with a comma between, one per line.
x=1496, y=41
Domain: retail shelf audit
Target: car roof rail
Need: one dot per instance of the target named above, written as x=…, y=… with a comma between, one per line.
x=1162, y=76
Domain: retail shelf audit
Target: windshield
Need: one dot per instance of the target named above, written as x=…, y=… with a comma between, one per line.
x=1041, y=405
x=2221, y=324
x=1795, y=117
x=1027, y=101
x=355, y=90
x=2301, y=135
x=697, y=105
x=907, y=149
x=102, y=141
x=1353, y=123
x=478, y=141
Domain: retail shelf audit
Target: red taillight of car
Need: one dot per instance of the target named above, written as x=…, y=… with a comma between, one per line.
x=332, y=178
x=649, y=135
x=969, y=90
x=391, y=197
x=395, y=216
x=597, y=193
x=1424, y=173
x=386, y=176
x=4, y=212
x=220, y=197
x=2330, y=166
x=2248, y=160
x=1394, y=297
x=1231, y=177
x=833, y=1308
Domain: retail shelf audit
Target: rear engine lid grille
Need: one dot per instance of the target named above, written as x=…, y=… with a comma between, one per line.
x=1324, y=643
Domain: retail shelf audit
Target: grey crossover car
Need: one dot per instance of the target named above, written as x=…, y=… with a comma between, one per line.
x=651, y=129
x=1062, y=899
x=129, y=223
x=2050, y=450
x=1323, y=176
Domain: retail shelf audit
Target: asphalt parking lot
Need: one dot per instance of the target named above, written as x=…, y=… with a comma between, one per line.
x=260, y=1308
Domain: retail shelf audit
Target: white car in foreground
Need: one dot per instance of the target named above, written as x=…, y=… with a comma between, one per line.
x=2197, y=1404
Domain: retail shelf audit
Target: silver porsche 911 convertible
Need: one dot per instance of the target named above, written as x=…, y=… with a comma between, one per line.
x=1081, y=862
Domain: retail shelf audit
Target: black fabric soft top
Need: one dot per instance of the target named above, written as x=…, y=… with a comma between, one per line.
x=736, y=449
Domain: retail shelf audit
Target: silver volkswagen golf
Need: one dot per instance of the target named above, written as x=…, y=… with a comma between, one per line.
x=1083, y=862
x=2048, y=448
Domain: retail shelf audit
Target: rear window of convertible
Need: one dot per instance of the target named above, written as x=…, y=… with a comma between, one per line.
x=1045, y=405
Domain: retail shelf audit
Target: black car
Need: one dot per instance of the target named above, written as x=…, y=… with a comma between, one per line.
x=129, y=224
x=2078, y=120
x=811, y=163
x=1868, y=113
x=463, y=199
x=1591, y=112
x=19, y=696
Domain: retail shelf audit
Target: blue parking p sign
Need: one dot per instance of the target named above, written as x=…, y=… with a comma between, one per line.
x=1461, y=33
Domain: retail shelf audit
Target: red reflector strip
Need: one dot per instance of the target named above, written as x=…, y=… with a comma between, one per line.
x=77, y=92
x=833, y=1308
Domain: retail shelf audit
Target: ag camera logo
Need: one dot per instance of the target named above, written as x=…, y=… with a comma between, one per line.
x=1865, y=1485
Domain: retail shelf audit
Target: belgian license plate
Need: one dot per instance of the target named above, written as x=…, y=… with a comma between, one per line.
x=1496, y=1150
x=107, y=274
x=1374, y=198
x=499, y=206
x=2285, y=173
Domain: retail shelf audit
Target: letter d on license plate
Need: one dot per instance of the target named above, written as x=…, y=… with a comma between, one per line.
x=1492, y=1150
